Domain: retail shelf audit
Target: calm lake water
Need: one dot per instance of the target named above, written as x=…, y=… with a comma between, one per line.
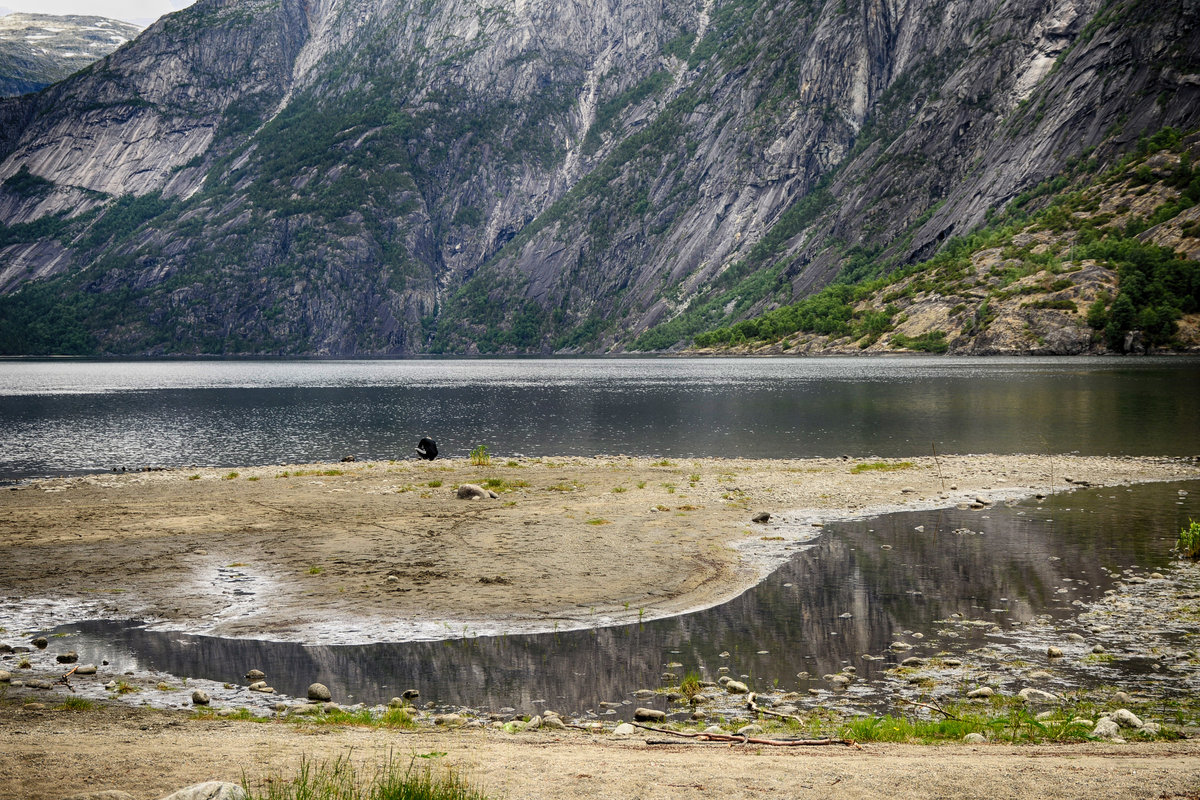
x=62, y=417
x=1000, y=566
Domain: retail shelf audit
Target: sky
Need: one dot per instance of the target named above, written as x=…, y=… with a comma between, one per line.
x=139, y=12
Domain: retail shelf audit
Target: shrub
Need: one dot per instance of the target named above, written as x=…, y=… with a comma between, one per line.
x=1189, y=540
x=480, y=457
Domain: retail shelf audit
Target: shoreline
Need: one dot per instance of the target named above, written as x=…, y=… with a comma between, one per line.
x=378, y=551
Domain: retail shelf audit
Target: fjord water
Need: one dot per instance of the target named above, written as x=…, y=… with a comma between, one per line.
x=64, y=417
x=960, y=578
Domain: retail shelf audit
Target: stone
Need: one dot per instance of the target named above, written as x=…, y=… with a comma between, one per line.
x=553, y=723
x=213, y=790
x=534, y=724
x=261, y=687
x=1126, y=718
x=5, y=676
x=762, y=517
x=34, y=707
x=448, y=720
x=1031, y=695
x=749, y=730
x=164, y=687
x=411, y=694
x=1039, y=675
x=470, y=491
x=649, y=715
x=642, y=694
x=1107, y=729
x=103, y=794
x=975, y=738
x=1098, y=648
x=736, y=687
x=41, y=643
x=1075, y=637
x=255, y=675
x=200, y=698
x=70, y=657
x=900, y=647
x=839, y=682
x=717, y=729
x=1151, y=729
x=1122, y=698
x=86, y=669
x=396, y=702
x=624, y=729
x=319, y=693
x=1054, y=652
x=912, y=661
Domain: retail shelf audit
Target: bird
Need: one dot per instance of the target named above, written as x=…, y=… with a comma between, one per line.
x=427, y=449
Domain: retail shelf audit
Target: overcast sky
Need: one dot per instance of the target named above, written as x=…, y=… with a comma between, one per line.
x=139, y=12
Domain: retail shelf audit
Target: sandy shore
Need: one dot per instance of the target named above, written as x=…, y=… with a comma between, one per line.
x=305, y=553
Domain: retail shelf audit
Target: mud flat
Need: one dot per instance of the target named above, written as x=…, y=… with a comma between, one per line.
x=386, y=551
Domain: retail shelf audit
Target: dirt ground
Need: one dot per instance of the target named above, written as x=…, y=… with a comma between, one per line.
x=52, y=754
x=299, y=552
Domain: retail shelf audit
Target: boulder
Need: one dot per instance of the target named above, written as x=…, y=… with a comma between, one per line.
x=982, y=692
x=5, y=676
x=624, y=729
x=750, y=730
x=319, y=693
x=1126, y=718
x=411, y=694
x=255, y=675
x=736, y=687
x=86, y=669
x=69, y=657
x=1054, y=652
x=41, y=643
x=1031, y=695
x=448, y=720
x=649, y=715
x=553, y=723
x=200, y=698
x=1107, y=729
x=103, y=794
x=213, y=790
x=762, y=518
x=975, y=738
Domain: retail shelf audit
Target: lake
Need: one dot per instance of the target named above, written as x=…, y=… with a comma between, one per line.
x=69, y=417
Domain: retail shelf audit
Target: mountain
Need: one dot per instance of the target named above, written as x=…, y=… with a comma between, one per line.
x=366, y=177
x=37, y=50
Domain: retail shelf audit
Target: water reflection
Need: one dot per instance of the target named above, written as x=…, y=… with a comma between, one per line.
x=1001, y=565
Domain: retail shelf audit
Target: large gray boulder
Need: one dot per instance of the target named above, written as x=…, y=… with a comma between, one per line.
x=213, y=790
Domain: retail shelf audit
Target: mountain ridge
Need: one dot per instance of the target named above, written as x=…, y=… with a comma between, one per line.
x=354, y=177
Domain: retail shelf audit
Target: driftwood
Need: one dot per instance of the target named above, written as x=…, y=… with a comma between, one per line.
x=736, y=738
x=941, y=711
x=64, y=679
x=753, y=706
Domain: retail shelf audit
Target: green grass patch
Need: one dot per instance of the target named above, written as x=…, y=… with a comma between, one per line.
x=342, y=780
x=880, y=466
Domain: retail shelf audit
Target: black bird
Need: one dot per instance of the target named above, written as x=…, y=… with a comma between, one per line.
x=427, y=449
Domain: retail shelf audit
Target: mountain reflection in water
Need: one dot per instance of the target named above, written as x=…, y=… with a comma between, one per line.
x=1002, y=565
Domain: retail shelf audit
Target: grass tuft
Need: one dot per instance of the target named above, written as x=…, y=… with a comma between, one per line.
x=341, y=780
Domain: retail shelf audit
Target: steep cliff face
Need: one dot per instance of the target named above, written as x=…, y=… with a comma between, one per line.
x=37, y=50
x=355, y=176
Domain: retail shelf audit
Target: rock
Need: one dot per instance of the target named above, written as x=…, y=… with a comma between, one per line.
x=1151, y=729
x=255, y=675
x=213, y=790
x=1122, y=698
x=554, y=723
x=280, y=708
x=69, y=657
x=900, y=647
x=1074, y=637
x=1054, y=652
x=348, y=459
x=642, y=694
x=912, y=661
x=165, y=687
x=448, y=720
x=1126, y=718
x=839, y=682
x=470, y=491
x=533, y=724
x=41, y=643
x=411, y=694
x=319, y=693
x=975, y=738
x=5, y=647
x=1098, y=648
x=736, y=687
x=749, y=730
x=200, y=698
x=34, y=707
x=5, y=676
x=104, y=794
x=1039, y=675
x=396, y=702
x=762, y=518
x=1031, y=695
x=649, y=715
x=624, y=729
x=39, y=684
x=1107, y=729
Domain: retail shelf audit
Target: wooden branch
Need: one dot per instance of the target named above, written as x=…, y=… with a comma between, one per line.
x=63, y=680
x=753, y=706
x=941, y=711
x=735, y=738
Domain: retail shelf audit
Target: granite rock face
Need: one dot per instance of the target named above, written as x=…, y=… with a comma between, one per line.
x=361, y=176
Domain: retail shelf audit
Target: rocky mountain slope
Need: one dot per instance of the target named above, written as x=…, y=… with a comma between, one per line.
x=37, y=50
x=1088, y=262
x=361, y=177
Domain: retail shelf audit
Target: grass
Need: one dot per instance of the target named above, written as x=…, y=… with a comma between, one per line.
x=689, y=687
x=193, y=477
x=124, y=687
x=391, y=780
x=315, y=570
x=1189, y=540
x=599, y=521
x=434, y=484
x=76, y=704
x=880, y=466
x=480, y=457
x=229, y=476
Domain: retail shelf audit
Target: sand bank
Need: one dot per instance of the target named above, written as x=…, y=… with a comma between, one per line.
x=342, y=553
